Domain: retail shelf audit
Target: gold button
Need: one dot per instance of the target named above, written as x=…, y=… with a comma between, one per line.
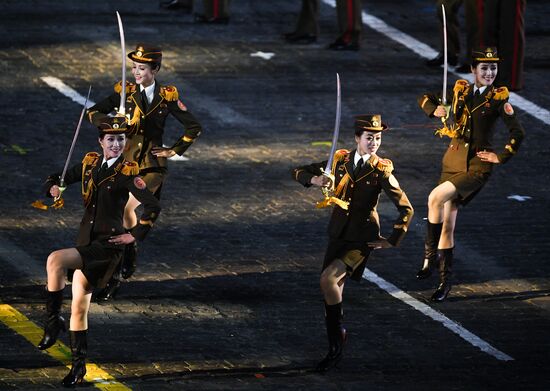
x=406, y=218
x=352, y=185
x=466, y=145
x=139, y=144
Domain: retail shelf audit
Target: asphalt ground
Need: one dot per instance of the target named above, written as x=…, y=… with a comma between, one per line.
x=226, y=295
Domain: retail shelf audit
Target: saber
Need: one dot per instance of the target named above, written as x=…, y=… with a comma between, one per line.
x=328, y=191
x=62, y=186
x=445, y=65
x=328, y=167
x=122, y=105
x=62, y=180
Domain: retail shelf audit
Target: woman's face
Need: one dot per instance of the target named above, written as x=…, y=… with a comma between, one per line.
x=369, y=142
x=485, y=73
x=143, y=73
x=113, y=145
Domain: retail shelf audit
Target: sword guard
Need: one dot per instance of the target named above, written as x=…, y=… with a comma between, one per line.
x=330, y=176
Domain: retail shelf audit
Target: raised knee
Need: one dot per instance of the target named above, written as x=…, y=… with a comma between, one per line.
x=54, y=261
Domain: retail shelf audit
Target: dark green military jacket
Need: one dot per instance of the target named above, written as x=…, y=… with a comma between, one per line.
x=360, y=223
x=147, y=126
x=474, y=128
x=106, y=197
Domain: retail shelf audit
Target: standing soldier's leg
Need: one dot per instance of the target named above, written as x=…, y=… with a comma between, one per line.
x=350, y=25
x=307, y=27
x=452, y=8
x=215, y=11
x=473, y=14
x=511, y=43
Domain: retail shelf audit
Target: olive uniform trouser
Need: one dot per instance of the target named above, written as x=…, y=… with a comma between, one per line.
x=349, y=20
x=214, y=9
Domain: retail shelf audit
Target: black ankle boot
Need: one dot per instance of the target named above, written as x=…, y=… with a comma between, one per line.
x=445, y=272
x=433, y=233
x=129, y=260
x=336, y=337
x=79, y=349
x=54, y=321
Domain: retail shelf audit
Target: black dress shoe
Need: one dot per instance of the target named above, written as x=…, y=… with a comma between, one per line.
x=109, y=292
x=441, y=292
x=200, y=18
x=438, y=61
x=340, y=44
x=300, y=38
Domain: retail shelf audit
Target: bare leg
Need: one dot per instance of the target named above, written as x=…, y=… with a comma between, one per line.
x=438, y=197
x=58, y=261
x=450, y=210
x=130, y=218
x=332, y=282
x=82, y=295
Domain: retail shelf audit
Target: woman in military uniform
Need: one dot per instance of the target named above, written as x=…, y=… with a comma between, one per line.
x=469, y=159
x=148, y=104
x=106, y=183
x=354, y=229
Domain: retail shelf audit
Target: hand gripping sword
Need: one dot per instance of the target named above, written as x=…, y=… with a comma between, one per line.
x=328, y=190
x=58, y=201
x=122, y=106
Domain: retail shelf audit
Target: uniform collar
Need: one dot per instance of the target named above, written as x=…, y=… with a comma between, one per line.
x=356, y=158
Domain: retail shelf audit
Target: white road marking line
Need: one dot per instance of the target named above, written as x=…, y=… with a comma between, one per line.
x=427, y=52
x=435, y=315
x=58, y=84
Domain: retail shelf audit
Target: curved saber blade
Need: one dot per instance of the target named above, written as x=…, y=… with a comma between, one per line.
x=122, y=106
x=445, y=65
x=62, y=180
x=336, y=126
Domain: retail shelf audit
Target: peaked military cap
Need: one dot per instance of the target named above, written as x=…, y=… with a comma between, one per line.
x=488, y=54
x=146, y=54
x=370, y=123
x=113, y=125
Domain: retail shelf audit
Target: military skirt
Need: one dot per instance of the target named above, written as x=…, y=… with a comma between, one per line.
x=100, y=260
x=353, y=254
x=467, y=183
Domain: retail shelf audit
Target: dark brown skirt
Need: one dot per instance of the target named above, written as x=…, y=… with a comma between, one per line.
x=344, y=250
x=467, y=184
x=99, y=262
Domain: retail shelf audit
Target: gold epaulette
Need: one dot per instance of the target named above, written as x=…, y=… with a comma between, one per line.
x=460, y=85
x=385, y=165
x=130, y=87
x=501, y=93
x=90, y=158
x=340, y=154
x=170, y=93
x=130, y=168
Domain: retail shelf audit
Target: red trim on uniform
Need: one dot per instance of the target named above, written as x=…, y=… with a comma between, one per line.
x=480, y=10
x=216, y=10
x=348, y=33
x=517, y=21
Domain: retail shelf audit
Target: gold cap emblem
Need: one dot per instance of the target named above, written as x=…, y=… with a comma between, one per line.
x=375, y=123
x=139, y=53
x=115, y=126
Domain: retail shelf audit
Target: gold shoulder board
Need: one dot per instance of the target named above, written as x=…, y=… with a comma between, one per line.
x=130, y=87
x=460, y=85
x=501, y=93
x=385, y=165
x=90, y=158
x=170, y=93
x=130, y=168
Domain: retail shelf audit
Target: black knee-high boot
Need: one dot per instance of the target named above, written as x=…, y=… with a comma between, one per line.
x=54, y=321
x=336, y=337
x=445, y=272
x=433, y=233
x=79, y=350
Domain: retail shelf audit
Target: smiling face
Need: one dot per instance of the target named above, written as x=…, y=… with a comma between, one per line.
x=485, y=73
x=368, y=142
x=112, y=145
x=143, y=73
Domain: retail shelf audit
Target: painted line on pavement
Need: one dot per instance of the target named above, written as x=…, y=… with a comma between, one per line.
x=427, y=52
x=435, y=315
x=19, y=323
